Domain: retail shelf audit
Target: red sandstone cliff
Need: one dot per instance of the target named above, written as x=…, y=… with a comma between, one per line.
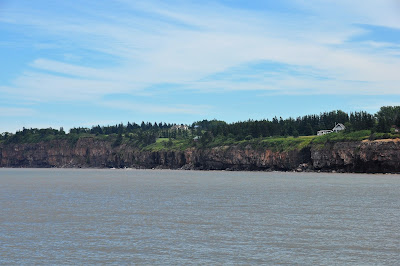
x=366, y=156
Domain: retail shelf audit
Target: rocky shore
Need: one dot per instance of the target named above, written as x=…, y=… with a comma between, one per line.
x=378, y=156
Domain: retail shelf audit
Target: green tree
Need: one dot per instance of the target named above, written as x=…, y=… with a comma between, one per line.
x=118, y=141
x=388, y=116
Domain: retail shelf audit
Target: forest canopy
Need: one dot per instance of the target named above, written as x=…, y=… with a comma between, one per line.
x=386, y=120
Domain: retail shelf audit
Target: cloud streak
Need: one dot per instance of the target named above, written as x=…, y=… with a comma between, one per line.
x=153, y=108
x=185, y=45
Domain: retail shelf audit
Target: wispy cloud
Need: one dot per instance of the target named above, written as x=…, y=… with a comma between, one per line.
x=158, y=108
x=184, y=44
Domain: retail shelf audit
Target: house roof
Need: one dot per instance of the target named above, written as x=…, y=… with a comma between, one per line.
x=339, y=126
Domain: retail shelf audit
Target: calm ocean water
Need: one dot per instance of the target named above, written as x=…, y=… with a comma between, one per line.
x=67, y=216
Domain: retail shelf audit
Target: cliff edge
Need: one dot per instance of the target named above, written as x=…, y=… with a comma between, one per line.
x=377, y=156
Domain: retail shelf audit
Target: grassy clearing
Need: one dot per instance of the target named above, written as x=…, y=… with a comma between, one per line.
x=342, y=137
x=287, y=144
x=384, y=136
x=165, y=144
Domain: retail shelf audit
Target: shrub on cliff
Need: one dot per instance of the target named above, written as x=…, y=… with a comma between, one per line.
x=118, y=140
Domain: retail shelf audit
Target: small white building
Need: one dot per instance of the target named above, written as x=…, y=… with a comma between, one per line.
x=324, y=132
x=338, y=127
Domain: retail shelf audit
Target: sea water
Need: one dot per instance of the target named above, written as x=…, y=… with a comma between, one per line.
x=81, y=216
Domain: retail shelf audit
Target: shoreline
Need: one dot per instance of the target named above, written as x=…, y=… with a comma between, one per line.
x=203, y=170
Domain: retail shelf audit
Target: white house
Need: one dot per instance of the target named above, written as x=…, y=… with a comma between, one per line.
x=338, y=127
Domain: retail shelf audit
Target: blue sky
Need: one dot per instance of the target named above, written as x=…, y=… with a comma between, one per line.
x=83, y=63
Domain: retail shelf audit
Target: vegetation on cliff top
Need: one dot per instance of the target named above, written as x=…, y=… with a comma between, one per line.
x=277, y=134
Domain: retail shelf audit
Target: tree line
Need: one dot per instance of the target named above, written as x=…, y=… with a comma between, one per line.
x=387, y=119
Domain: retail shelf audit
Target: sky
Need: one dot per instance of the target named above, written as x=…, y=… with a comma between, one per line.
x=89, y=62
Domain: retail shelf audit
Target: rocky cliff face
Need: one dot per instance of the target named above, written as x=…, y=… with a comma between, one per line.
x=234, y=158
x=367, y=156
x=379, y=156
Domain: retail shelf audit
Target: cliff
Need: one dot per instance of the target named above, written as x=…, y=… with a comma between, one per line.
x=378, y=156
x=367, y=156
